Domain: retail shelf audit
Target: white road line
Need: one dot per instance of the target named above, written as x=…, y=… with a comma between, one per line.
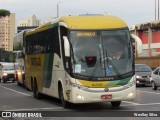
x=35, y=109
x=147, y=92
x=16, y=91
x=133, y=103
x=146, y=104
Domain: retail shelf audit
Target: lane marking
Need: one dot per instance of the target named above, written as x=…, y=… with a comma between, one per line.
x=35, y=109
x=16, y=91
x=131, y=102
x=147, y=104
x=147, y=92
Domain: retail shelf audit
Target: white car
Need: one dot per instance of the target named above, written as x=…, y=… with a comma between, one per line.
x=7, y=72
x=155, y=78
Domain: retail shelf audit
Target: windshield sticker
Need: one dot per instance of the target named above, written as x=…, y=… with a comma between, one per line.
x=78, y=68
x=109, y=69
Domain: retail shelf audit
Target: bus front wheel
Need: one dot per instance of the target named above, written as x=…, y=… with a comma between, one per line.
x=116, y=103
x=64, y=103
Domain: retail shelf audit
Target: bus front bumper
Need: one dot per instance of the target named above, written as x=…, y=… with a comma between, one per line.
x=81, y=96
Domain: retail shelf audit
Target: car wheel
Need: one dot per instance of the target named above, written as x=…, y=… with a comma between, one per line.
x=116, y=103
x=154, y=87
x=3, y=80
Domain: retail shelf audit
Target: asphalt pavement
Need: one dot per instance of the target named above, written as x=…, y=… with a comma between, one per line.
x=15, y=98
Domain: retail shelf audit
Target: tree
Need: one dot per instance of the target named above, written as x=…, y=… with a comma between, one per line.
x=4, y=13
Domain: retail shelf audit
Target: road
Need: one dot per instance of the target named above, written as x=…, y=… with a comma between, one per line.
x=16, y=98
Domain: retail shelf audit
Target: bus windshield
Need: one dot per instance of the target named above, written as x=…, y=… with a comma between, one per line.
x=101, y=53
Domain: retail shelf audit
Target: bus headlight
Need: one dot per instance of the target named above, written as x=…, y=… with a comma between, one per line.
x=5, y=74
x=130, y=95
x=80, y=97
x=130, y=84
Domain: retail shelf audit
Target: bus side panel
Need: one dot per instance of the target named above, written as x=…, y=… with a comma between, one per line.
x=57, y=69
x=34, y=70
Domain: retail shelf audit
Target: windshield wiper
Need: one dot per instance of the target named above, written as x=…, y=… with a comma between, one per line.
x=108, y=62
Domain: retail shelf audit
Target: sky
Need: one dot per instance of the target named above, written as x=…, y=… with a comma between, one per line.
x=131, y=11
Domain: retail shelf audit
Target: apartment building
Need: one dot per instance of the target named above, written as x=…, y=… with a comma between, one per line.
x=7, y=32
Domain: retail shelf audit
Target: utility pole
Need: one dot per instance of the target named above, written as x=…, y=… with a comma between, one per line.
x=58, y=9
x=155, y=9
x=158, y=9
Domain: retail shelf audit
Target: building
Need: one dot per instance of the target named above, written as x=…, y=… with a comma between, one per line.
x=30, y=23
x=7, y=32
x=149, y=33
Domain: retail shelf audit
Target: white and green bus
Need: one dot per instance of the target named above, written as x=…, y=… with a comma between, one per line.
x=73, y=59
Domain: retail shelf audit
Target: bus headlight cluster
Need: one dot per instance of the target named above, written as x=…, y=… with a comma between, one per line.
x=77, y=85
x=130, y=94
x=80, y=97
x=130, y=84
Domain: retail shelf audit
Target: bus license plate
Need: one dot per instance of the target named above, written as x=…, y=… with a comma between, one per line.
x=106, y=96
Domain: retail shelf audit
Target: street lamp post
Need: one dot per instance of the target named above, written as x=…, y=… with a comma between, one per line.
x=58, y=9
x=156, y=9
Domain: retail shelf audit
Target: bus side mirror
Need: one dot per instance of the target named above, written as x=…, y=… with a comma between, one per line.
x=66, y=46
x=137, y=43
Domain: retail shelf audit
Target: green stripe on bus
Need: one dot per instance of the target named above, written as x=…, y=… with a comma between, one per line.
x=118, y=82
x=47, y=73
x=54, y=25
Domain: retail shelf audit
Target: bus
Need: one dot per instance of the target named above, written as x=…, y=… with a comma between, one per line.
x=72, y=59
x=18, y=46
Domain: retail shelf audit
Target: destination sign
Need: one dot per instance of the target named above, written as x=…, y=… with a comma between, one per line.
x=86, y=34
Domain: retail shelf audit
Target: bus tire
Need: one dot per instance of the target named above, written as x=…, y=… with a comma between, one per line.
x=36, y=94
x=116, y=103
x=64, y=103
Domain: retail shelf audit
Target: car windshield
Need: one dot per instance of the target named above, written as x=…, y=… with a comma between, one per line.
x=142, y=68
x=10, y=67
x=101, y=53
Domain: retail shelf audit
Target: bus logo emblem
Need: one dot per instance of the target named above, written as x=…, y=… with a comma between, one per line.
x=106, y=89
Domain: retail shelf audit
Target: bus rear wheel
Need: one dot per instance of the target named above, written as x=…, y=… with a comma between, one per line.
x=36, y=94
x=64, y=103
x=116, y=103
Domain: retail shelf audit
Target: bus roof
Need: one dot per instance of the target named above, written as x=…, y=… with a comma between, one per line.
x=85, y=22
x=93, y=22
